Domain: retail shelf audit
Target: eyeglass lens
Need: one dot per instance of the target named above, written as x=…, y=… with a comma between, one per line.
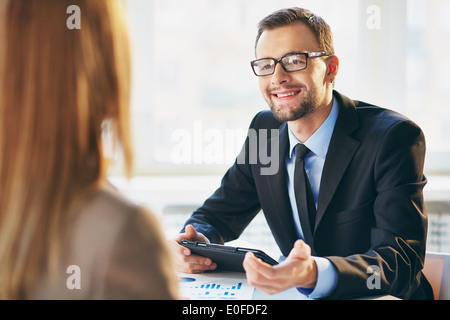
x=294, y=62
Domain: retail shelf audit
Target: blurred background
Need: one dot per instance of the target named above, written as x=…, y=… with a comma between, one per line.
x=194, y=93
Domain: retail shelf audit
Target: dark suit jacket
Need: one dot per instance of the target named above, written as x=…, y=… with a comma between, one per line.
x=370, y=207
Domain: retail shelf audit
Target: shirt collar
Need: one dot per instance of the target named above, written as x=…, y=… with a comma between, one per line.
x=320, y=140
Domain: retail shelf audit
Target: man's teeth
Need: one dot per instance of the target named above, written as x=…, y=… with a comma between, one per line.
x=286, y=94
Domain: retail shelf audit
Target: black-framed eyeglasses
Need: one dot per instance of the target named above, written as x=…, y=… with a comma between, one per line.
x=291, y=62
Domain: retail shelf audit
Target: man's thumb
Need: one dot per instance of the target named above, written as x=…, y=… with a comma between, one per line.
x=191, y=234
x=300, y=251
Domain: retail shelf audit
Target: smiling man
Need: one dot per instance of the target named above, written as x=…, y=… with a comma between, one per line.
x=347, y=198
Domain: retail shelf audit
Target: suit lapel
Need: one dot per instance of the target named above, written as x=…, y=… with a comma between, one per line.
x=341, y=150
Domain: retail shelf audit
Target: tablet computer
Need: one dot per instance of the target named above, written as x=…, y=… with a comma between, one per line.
x=226, y=257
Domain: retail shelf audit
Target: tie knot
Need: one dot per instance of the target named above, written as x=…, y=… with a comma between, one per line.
x=301, y=151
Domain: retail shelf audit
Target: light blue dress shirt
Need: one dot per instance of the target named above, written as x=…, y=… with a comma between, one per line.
x=318, y=144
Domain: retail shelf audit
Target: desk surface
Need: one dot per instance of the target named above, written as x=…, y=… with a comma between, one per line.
x=290, y=294
x=213, y=279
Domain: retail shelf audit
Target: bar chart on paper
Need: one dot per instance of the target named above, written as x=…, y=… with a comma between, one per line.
x=198, y=287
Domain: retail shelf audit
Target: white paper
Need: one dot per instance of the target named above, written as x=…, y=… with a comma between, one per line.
x=201, y=287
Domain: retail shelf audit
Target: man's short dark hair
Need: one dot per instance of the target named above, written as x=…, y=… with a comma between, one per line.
x=285, y=17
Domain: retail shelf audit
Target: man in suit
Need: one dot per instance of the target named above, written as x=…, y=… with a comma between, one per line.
x=362, y=230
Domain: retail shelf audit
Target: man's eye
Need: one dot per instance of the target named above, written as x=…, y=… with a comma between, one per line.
x=295, y=61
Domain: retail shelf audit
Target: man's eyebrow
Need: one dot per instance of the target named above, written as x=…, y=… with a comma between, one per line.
x=291, y=52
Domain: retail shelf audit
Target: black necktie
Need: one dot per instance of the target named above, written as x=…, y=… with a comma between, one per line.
x=305, y=201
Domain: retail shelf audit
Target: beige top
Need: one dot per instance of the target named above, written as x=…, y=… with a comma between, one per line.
x=115, y=250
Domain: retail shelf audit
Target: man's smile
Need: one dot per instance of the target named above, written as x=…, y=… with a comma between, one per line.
x=285, y=94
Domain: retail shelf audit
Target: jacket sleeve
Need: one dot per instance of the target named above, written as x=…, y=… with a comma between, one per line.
x=396, y=256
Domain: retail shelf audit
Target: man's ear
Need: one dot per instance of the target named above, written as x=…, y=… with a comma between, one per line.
x=332, y=68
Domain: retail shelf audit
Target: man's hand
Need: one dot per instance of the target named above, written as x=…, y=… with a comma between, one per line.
x=185, y=261
x=298, y=270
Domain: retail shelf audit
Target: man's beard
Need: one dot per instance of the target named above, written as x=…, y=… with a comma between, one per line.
x=307, y=106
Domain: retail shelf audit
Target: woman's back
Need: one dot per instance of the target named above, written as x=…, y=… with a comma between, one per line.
x=115, y=250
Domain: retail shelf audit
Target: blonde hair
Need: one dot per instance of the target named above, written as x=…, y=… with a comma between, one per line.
x=57, y=86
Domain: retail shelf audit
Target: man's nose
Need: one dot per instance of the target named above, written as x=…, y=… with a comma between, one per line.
x=280, y=76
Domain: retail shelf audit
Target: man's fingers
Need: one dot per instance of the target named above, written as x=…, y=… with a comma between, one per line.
x=261, y=271
x=186, y=261
x=255, y=278
x=262, y=267
x=177, y=248
x=195, y=264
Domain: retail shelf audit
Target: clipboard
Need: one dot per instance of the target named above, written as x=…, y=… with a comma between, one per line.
x=226, y=257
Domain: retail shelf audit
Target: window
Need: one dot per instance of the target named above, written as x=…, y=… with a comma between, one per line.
x=194, y=93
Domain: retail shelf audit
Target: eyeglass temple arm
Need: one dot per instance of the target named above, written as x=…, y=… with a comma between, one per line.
x=317, y=54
